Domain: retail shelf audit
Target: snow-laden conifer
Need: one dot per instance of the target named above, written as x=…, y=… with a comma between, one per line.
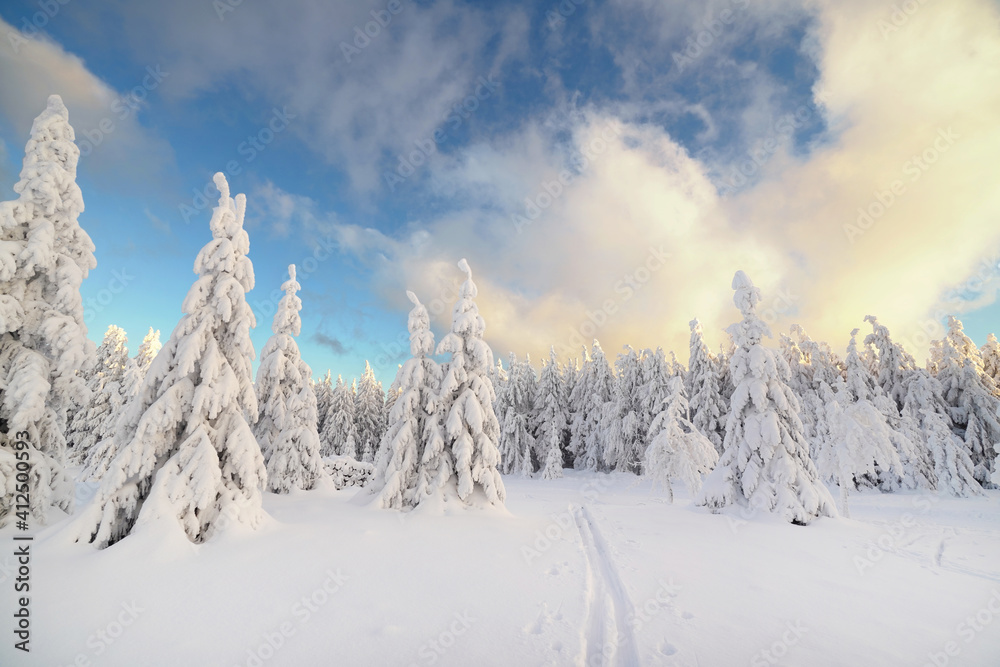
x=766, y=462
x=369, y=414
x=469, y=453
x=44, y=257
x=551, y=419
x=515, y=401
x=286, y=421
x=893, y=362
x=99, y=457
x=861, y=441
x=707, y=404
x=624, y=435
x=324, y=394
x=927, y=420
x=677, y=450
x=188, y=453
x=96, y=421
x=339, y=437
x=413, y=421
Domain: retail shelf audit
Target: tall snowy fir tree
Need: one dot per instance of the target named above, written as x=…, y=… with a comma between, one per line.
x=578, y=399
x=656, y=373
x=815, y=372
x=707, y=405
x=990, y=353
x=979, y=411
x=99, y=457
x=188, y=453
x=96, y=421
x=391, y=396
x=324, y=395
x=677, y=450
x=286, y=421
x=726, y=385
x=625, y=435
x=570, y=373
x=861, y=442
x=550, y=418
x=44, y=257
x=469, y=452
x=766, y=462
x=413, y=421
x=598, y=386
x=971, y=394
x=894, y=363
x=339, y=436
x=369, y=415
x=515, y=401
x=856, y=396
x=927, y=420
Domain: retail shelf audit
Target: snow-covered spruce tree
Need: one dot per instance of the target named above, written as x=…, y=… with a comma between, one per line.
x=515, y=401
x=815, y=372
x=766, y=462
x=894, y=363
x=971, y=395
x=286, y=421
x=926, y=419
x=578, y=404
x=726, y=385
x=946, y=365
x=979, y=409
x=675, y=367
x=550, y=418
x=99, y=457
x=369, y=414
x=600, y=385
x=861, y=442
x=413, y=419
x=324, y=394
x=990, y=353
x=471, y=432
x=44, y=257
x=657, y=371
x=677, y=450
x=856, y=395
x=339, y=437
x=498, y=376
x=96, y=421
x=570, y=375
x=391, y=396
x=188, y=453
x=707, y=405
x=625, y=438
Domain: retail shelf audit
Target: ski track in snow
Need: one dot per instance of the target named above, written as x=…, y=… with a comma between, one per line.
x=608, y=640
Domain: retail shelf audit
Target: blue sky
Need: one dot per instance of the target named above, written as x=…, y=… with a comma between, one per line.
x=822, y=105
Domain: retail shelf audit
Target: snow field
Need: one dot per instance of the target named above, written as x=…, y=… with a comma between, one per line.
x=589, y=569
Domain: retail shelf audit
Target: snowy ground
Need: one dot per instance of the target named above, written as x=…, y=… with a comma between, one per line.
x=574, y=571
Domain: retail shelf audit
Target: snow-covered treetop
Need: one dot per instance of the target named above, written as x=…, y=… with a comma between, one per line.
x=751, y=329
x=149, y=347
x=287, y=320
x=228, y=251
x=465, y=342
x=469, y=290
x=419, y=325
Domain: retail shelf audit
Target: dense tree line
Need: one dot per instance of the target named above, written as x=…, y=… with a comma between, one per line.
x=182, y=432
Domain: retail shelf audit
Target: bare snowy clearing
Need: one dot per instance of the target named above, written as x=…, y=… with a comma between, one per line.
x=590, y=569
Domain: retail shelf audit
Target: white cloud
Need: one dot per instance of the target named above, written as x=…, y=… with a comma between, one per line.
x=357, y=108
x=890, y=98
x=114, y=145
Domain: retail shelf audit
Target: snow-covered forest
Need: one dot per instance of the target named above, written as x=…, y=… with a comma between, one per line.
x=181, y=437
